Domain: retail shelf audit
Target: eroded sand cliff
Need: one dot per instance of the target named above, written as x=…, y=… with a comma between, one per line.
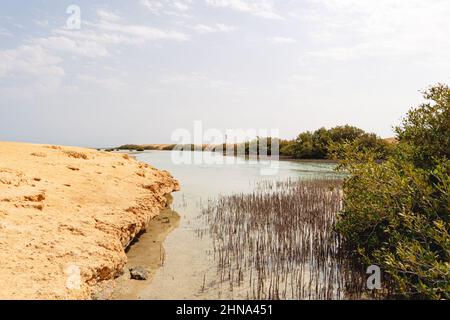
x=64, y=209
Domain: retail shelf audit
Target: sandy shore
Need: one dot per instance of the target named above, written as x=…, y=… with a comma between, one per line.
x=66, y=216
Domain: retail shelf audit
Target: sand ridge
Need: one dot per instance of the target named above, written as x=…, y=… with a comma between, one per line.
x=68, y=209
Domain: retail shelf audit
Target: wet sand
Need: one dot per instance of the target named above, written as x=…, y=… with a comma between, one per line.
x=146, y=251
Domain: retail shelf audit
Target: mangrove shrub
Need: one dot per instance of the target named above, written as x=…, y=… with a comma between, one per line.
x=396, y=213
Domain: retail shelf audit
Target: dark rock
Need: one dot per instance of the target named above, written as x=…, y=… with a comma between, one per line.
x=138, y=273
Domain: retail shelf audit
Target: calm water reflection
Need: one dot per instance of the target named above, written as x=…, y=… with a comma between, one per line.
x=189, y=270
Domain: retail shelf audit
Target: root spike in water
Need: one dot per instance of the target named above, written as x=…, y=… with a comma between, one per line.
x=279, y=241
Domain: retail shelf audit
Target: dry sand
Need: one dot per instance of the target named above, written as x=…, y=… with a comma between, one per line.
x=64, y=209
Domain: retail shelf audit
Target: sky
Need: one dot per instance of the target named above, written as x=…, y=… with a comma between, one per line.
x=134, y=71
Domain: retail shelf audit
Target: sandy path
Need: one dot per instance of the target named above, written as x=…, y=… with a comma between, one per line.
x=67, y=209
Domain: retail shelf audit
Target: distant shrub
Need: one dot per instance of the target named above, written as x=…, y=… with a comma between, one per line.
x=136, y=147
x=321, y=143
x=287, y=147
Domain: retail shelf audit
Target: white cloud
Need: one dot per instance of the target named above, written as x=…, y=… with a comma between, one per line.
x=82, y=47
x=38, y=63
x=143, y=33
x=105, y=83
x=41, y=23
x=282, y=40
x=95, y=40
x=169, y=7
x=106, y=15
x=154, y=6
x=218, y=27
x=5, y=33
x=32, y=60
x=261, y=8
x=353, y=29
x=32, y=70
x=182, y=5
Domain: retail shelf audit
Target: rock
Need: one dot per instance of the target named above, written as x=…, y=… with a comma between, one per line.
x=138, y=273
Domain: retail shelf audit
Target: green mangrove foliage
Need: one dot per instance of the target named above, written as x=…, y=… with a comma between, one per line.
x=319, y=144
x=396, y=212
x=308, y=145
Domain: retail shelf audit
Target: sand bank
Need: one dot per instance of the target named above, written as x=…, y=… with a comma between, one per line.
x=67, y=214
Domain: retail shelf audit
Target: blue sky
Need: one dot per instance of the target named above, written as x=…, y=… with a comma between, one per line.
x=139, y=69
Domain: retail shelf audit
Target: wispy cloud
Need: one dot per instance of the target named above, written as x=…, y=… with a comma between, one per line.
x=39, y=61
x=105, y=83
x=141, y=33
x=154, y=6
x=31, y=60
x=218, y=27
x=169, y=7
x=260, y=8
x=96, y=38
x=107, y=15
x=41, y=23
x=87, y=45
x=354, y=29
x=110, y=24
x=5, y=33
x=38, y=71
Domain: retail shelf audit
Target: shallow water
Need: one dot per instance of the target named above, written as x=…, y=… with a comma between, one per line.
x=188, y=270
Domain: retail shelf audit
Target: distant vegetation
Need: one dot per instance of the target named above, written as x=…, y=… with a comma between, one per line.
x=319, y=144
x=396, y=213
x=135, y=147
